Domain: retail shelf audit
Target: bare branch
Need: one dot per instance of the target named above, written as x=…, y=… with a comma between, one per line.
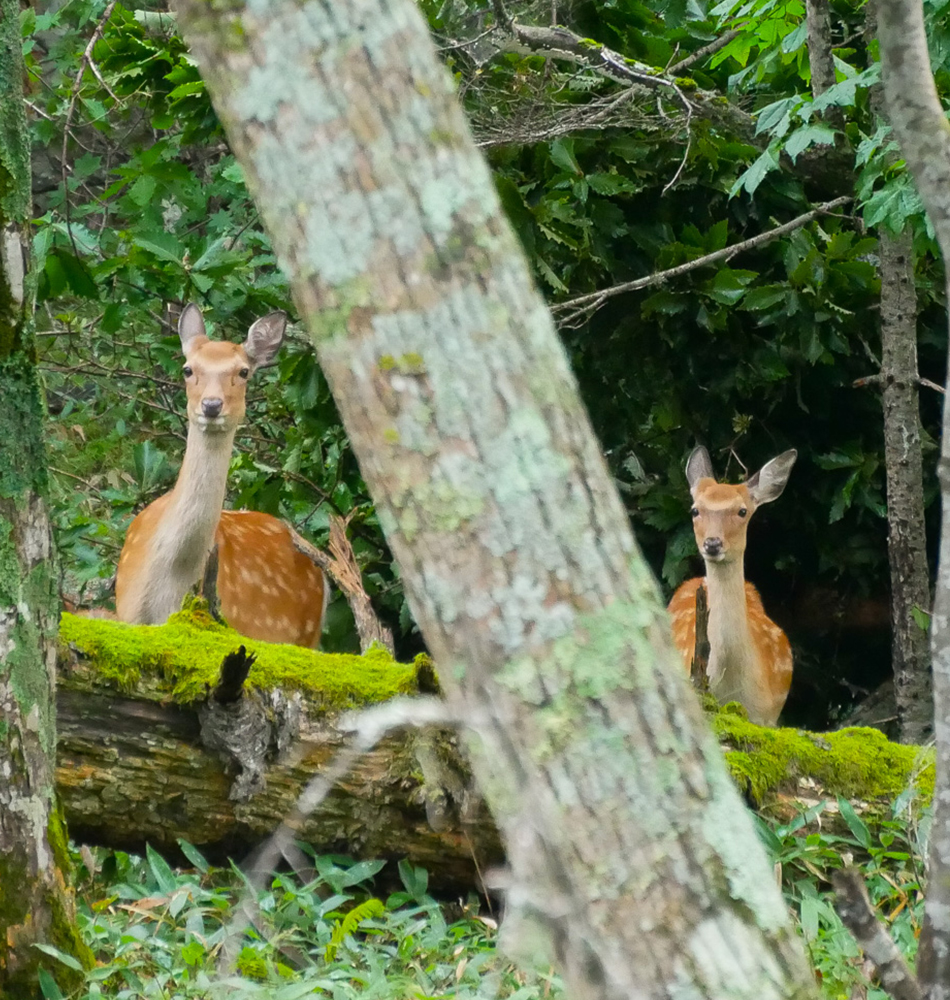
x=342, y=567
x=575, y=309
x=707, y=50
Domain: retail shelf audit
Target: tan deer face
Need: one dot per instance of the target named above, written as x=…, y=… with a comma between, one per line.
x=721, y=519
x=216, y=371
x=721, y=512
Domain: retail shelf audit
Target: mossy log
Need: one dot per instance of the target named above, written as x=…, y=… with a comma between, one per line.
x=133, y=766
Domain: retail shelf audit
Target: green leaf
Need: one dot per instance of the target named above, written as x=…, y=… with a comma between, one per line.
x=77, y=275
x=233, y=173
x=728, y=286
x=753, y=177
x=149, y=464
x=161, y=872
x=562, y=153
x=855, y=824
x=163, y=245
x=60, y=956
x=610, y=184
x=764, y=297
x=921, y=618
x=142, y=189
x=48, y=985
x=817, y=134
x=193, y=855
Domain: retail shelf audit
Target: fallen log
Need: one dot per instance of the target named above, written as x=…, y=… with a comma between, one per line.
x=136, y=762
x=133, y=765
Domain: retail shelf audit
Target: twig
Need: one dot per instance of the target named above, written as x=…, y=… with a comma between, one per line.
x=707, y=50
x=857, y=914
x=585, y=304
x=881, y=377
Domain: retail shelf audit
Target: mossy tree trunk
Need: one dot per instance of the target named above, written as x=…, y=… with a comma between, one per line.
x=35, y=904
x=920, y=124
x=625, y=838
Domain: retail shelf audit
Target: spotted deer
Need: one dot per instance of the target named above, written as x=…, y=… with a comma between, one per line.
x=267, y=589
x=750, y=658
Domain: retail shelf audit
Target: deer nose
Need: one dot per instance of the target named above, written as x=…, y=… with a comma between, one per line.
x=212, y=407
x=712, y=547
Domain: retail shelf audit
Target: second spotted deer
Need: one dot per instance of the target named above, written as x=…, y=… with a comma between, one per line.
x=267, y=589
x=750, y=658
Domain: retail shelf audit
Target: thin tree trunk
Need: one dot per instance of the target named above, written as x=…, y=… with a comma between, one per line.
x=35, y=904
x=906, y=542
x=921, y=127
x=625, y=839
x=906, y=545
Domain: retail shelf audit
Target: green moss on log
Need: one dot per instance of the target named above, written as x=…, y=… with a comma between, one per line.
x=183, y=658
x=856, y=763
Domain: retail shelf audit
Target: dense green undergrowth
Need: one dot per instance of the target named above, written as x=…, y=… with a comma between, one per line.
x=204, y=933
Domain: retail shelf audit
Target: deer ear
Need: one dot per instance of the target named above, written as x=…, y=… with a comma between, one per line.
x=698, y=466
x=264, y=338
x=767, y=484
x=191, y=324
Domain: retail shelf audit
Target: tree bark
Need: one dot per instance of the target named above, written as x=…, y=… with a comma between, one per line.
x=626, y=841
x=906, y=545
x=35, y=904
x=820, y=57
x=921, y=127
x=906, y=541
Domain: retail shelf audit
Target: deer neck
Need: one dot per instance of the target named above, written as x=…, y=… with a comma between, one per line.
x=732, y=661
x=191, y=517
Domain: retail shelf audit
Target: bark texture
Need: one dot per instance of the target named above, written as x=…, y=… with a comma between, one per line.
x=906, y=540
x=35, y=904
x=820, y=57
x=132, y=769
x=921, y=127
x=625, y=839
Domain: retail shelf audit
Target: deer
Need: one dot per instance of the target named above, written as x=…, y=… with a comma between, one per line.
x=750, y=657
x=267, y=588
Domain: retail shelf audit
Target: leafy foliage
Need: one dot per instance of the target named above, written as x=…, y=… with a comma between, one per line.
x=162, y=932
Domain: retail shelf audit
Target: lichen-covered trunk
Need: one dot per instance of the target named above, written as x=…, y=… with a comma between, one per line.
x=625, y=838
x=906, y=541
x=920, y=124
x=35, y=904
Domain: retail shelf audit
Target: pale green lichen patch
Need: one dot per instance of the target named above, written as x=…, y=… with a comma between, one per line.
x=184, y=657
x=856, y=763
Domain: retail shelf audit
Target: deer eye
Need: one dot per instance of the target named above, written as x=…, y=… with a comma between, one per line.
x=187, y=371
x=694, y=512
x=244, y=372
x=742, y=512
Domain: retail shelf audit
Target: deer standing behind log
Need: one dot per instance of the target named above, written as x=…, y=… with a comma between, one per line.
x=267, y=588
x=750, y=658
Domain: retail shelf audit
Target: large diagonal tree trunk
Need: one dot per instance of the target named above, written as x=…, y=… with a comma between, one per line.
x=624, y=837
x=918, y=119
x=35, y=905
